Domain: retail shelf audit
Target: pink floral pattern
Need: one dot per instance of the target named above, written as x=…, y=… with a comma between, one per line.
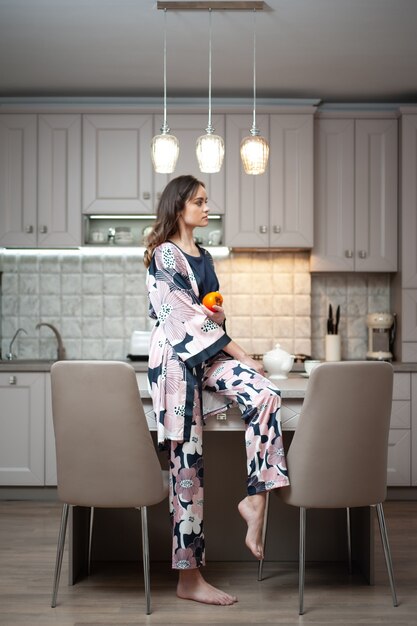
x=180, y=340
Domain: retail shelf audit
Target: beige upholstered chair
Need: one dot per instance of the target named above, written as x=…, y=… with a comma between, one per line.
x=338, y=456
x=105, y=454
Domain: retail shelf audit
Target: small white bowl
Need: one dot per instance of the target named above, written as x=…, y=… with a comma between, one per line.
x=309, y=365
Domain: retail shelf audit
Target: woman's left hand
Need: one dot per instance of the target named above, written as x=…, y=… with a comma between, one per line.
x=218, y=315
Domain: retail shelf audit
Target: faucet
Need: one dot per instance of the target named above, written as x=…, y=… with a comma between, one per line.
x=10, y=355
x=61, y=352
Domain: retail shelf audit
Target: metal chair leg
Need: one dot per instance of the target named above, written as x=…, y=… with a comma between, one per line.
x=349, y=540
x=301, y=557
x=264, y=531
x=145, y=549
x=90, y=539
x=60, y=552
x=387, y=551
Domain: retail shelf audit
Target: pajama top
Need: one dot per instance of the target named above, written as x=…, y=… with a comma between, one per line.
x=182, y=339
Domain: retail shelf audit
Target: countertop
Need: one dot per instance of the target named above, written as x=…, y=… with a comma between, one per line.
x=44, y=365
x=293, y=387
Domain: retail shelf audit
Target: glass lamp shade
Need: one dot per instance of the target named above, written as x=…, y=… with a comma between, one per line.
x=254, y=152
x=165, y=149
x=210, y=153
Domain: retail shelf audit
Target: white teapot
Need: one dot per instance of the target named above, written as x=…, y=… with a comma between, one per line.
x=278, y=363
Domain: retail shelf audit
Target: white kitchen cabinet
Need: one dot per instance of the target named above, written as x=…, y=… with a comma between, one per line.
x=356, y=181
x=40, y=186
x=414, y=430
x=399, y=442
x=409, y=200
x=59, y=186
x=187, y=129
x=273, y=209
x=291, y=181
x=409, y=237
x=22, y=428
x=50, y=452
x=18, y=176
x=117, y=167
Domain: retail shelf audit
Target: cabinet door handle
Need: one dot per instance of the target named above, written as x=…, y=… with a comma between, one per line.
x=362, y=254
x=29, y=229
x=263, y=229
x=43, y=229
x=277, y=230
x=12, y=380
x=348, y=254
x=146, y=195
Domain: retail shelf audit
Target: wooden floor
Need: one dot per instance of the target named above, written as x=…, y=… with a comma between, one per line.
x=113, y=595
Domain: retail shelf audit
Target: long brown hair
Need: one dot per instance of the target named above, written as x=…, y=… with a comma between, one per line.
x=177, y=192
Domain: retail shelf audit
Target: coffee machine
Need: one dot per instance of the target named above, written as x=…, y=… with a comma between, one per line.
x=381, y=335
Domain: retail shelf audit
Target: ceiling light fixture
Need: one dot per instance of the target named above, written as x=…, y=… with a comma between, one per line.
x=210, y=147
x=165, y=148
x=254, y=149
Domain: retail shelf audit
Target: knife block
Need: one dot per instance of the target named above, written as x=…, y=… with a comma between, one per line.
x=333, y=348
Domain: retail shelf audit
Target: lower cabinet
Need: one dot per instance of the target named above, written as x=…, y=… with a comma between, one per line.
x=22, y=429
x=400, y=435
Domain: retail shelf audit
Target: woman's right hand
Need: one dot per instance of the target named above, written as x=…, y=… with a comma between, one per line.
x=218, y=315
x=253, y=363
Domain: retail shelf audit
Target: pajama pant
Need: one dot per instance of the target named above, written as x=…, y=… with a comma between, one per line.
x=259, y=402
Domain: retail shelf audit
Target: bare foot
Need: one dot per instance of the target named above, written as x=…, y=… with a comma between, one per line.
x=192, y=586
x=252, y=509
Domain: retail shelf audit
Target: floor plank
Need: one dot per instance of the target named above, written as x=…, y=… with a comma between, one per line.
x=113, y=595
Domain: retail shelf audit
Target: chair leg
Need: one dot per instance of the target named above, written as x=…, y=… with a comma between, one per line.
x=301, y=557
x=264, y=531
x=90, y=539
x=349, y=540
x=60, y=552
x=387, y=551
x=145, y=549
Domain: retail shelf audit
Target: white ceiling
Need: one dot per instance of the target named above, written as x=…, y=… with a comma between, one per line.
x=334, y=50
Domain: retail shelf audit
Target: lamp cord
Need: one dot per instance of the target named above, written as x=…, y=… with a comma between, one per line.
x=254, y=129
x=165, y=128
x=209, y=128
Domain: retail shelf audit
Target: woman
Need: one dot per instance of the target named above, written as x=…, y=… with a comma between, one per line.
x=190, y=351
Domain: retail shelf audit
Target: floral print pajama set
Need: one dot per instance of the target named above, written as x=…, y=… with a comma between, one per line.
x=187, y=367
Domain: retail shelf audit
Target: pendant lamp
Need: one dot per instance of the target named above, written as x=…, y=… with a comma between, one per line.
x=254, y=149
x=210, y=147
x=165, y=147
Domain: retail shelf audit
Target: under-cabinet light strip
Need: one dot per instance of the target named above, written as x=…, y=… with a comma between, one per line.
x=114, y=250
x=135, y=217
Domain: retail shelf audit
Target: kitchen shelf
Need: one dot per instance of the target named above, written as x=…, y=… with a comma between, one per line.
x=101, y=230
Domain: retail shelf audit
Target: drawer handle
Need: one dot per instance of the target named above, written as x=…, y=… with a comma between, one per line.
x=277, y=230
x=29, y=230
x=43, y=229
x=348, y=254
x=263, y=229
x=362, y=254
x=12, y=380
x=221, y=417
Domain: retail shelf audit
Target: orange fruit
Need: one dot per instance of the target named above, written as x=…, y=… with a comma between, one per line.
x=213, y=298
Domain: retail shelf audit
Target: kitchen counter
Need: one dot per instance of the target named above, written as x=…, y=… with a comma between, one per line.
x=44, y=365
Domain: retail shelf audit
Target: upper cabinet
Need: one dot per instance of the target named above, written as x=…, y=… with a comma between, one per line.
x=187, y=129
x=409, y=200
x=356, y=187
x=18, y=180
x=40, y=180
x=117, y=167
x=59, y=186
x=274, y=209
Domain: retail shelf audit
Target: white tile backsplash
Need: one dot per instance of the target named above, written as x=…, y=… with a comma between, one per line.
x=97, y=301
